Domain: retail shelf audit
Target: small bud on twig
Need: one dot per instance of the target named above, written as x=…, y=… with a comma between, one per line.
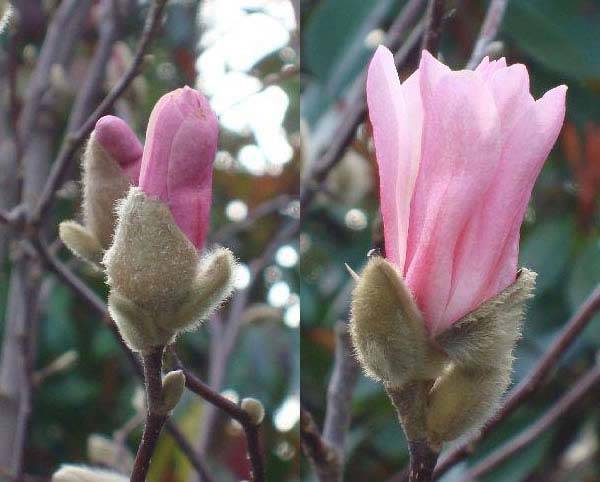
x=81, y=473
x=172, y=389
x=255, y=409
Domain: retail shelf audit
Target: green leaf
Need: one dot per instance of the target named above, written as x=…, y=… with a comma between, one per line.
x=585, y=276
x=563, y=36
x=547, y=250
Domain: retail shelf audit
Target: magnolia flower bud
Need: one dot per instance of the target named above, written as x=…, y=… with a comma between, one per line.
x=80, y=473
x=387, y=328
x=159, y=285
x=177, y=165
x=468, y=365
x=479, y=347
x=255, y=409
x=105, y=451
x=173, y=386
x=111, y=163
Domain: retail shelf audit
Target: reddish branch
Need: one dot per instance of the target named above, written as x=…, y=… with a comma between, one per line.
x=155, y=415
x=325, y=459
x=433, y=26
x=567, y=402
x=251, y=430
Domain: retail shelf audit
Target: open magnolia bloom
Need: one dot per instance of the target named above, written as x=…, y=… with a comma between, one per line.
x=458, y=154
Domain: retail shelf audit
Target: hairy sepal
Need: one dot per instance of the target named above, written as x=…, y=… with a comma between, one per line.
x=158, y=284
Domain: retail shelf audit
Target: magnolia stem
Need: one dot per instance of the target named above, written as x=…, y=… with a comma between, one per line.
x=410, y=403
x=155, y=415
x=422, y=461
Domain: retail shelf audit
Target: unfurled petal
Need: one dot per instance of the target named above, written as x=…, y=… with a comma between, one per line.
x=459, y=133
x=528, y=147
x=397, y=164
x=121, y=143
x=431, y=71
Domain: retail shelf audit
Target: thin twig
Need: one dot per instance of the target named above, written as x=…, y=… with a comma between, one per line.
x=95, y=302
x=201, y=389
x=489, y=30
x=225, y=344
x=75, y=141
x=345, y=133
x=433, y=26
x=339, y=392
x=567, y=402
x=324, y=458
x=108, y=30
x=155, y=414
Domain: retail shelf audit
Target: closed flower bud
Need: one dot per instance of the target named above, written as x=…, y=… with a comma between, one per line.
x=105, y=451
x=177, y=165
x=255, y=409
x=111, y=163
x=173, y=386
x=387, y=329
x=81, y=473
x=159, y=284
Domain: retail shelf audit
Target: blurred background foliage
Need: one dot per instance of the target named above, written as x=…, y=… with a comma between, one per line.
x=242, y=55
x=559, y=42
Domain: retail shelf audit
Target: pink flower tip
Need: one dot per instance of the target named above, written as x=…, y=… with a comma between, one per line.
x=121, y=143
x=177, y=165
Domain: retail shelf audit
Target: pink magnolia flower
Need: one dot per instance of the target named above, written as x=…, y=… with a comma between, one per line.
x=458, y=155
x=177, y=164
x=121, y=143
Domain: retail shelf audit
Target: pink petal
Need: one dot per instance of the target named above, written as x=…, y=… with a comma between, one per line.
x=477, y=253
x=460, y=151
x=431, y=71
x=527, y=149
x=181, y=143
x=121, y=143
x=397, y=166
x=190, y=176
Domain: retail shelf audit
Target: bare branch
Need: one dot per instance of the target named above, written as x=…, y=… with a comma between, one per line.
x=358, y=108
x=339, y=393
x=263, y=210
x=325, y=459
x=201, y=389
x=75, y=140
x=488, y=32
x=225, y=344
x=433, y=26
x=155, y=415
x=567, y=402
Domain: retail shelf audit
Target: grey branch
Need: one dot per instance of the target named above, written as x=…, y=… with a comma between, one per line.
x=488, y=32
